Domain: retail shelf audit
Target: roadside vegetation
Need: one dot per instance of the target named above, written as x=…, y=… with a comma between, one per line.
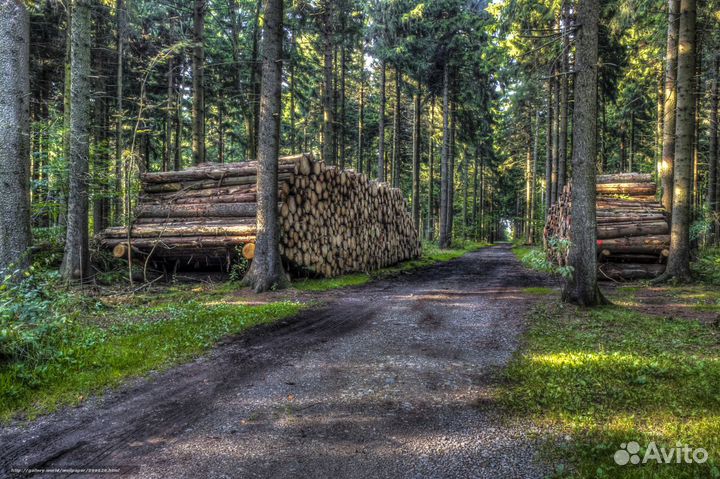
x=599, y=378
x=58, y=345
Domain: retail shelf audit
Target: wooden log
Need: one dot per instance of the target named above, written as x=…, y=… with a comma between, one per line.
x=606, y=256
x=617, y=230
x=202, y=174
x=237, y=228
x=625, y=178
x=626, y=189
x=637, y=244
x=629, y=271
x=208, y=184
x=238, y=210
x=248, y=251
x=187, y=242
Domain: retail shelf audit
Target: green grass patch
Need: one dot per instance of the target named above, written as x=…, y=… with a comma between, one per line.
x=431, y=254
x=100, y=348
x=539, y=291
x=608, y=376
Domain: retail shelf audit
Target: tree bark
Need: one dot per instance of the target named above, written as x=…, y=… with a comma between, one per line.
x=679, y=260
x=76, y=258
x=713, y=183
x=581, y=288
x=431, y=172
x=381, y=127
x=416, y=160
x=328, y=85
x=444, y=160
x=266, y=270
x=564, y=87
x=549, y=149
x=198, y=73
x=668, y=149
x=396, y=132
x=15, y=236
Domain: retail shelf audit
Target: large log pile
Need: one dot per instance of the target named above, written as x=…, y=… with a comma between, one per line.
x=633, y=232
x=331, y=221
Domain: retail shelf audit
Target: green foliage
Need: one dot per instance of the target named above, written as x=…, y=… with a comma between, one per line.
x=707, y=265
x=535, y=259
x=32, y=313
x=105, y=345
x=610, y=375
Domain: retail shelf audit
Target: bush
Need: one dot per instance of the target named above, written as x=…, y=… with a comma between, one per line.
x=30, y=316
x=707, y=265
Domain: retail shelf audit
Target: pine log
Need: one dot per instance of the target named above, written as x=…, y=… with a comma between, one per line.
x=629, y=271
x=187, y=242
x=237, y=228
x=625, y=178
x=637, y=244
x=216, y=174
x=617, y=230
x=208, y=184
x=626, y=189
x=240, y=210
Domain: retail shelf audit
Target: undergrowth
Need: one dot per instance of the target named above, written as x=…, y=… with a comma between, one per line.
x=603, y=377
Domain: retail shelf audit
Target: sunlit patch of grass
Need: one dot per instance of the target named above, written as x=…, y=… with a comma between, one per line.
x=100, y=352
x=325, y=284
x=539, y=291
x=610, y=375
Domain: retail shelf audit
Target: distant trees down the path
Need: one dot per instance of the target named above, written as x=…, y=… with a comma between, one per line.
x=472, y=109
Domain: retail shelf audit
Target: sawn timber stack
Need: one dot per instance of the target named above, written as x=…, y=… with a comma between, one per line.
x=331, y=221
x=633, y=232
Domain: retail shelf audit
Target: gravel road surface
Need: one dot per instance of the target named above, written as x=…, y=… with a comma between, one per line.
x=393, y=379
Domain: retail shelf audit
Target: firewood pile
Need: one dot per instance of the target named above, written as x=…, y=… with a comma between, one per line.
x=331, y=221
x=633, y=232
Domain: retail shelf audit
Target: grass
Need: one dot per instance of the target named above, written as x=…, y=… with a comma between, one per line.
x=611, y=375
x=431, y=254
x=539, y=291
x=102, y=347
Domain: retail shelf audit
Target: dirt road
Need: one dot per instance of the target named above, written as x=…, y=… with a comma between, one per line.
x=392, y=379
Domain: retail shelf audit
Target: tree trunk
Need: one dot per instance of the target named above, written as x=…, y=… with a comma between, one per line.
x=328, y=86
x=416, y=160
x=679, y=260
x=177, y=154
x=533, y=171
x=668, y=152
x=381, y=127
x=341, y=133
x=549, y=149
x=361, y=116
x=528, y=184
x=556, y=138
x=564, y=100
x=75, y=260
x=169, y=114
x=712, y=196
x=582, y=287
x=15, y=233
x=266, y=270
x=431, y=172
x=198, y=73
x=444, y=160
x=396, y=132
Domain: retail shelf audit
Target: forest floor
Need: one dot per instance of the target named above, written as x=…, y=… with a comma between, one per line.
x=397, y=378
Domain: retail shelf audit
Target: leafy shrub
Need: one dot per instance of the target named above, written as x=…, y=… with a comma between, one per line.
x=707, y=265
x=29, y=315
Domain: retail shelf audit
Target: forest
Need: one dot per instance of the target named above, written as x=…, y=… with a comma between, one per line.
x=176, y=173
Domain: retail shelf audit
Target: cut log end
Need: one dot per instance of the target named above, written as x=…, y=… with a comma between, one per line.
x=248, y=251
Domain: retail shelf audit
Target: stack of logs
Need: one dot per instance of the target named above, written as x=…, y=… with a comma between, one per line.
x=331, y=221
x=633, y=232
